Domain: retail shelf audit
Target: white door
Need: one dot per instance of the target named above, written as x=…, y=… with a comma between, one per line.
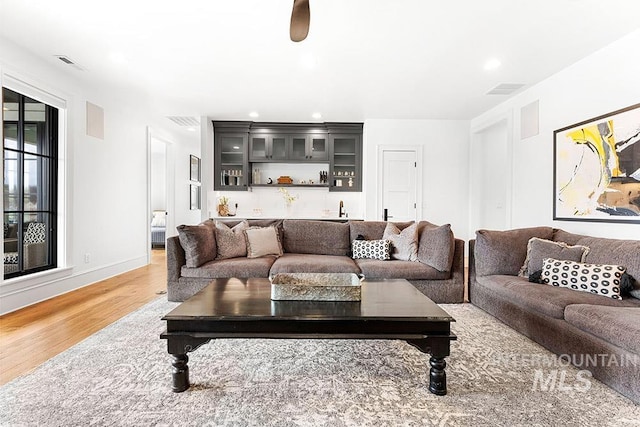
x=399, y=172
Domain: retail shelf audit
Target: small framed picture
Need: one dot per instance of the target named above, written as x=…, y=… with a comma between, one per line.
x=194, y=168
x=194, y=197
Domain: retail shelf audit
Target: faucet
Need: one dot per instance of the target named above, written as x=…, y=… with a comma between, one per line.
x=341, y=210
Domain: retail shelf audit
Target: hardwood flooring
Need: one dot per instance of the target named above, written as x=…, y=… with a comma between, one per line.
x=34, y=334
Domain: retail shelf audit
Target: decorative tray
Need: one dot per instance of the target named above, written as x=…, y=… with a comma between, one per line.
x=316, y=287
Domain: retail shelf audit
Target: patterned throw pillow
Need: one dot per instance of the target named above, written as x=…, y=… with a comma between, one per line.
x=230, y=242
x=600, y=279
x=405, y=242
x=372, y=249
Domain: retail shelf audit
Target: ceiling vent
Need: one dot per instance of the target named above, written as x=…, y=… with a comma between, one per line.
x=184, y=121
x=68, y=61
x=505, y=89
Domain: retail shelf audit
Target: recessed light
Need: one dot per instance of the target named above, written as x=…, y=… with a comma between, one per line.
x=254, y=114
x=492, y=64
x=316, y=115
x=235, y=147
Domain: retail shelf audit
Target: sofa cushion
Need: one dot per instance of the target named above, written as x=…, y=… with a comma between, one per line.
x=618, y=325
x=539, y=249
x=545, y=299
x=198, y=242
x=614, y=251
x=232, y=267
x=436, y=245
x=404, y=244
x=371, y=249
x=316, y=237
x=305, y=263
x=230, y=242
x=600, y=279
x=395, y=269
x=262, y=241
x=504, y=252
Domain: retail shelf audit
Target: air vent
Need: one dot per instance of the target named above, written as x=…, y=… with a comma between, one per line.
x=184, y=121
x=505, y=89
x=68, y=61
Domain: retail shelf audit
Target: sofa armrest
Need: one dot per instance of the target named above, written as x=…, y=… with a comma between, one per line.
x=472, y=269
x=175, y=258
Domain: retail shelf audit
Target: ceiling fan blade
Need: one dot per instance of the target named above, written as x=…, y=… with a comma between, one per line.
x=300, y=18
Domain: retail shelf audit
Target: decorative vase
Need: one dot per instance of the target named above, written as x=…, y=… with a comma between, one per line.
x=223, y=210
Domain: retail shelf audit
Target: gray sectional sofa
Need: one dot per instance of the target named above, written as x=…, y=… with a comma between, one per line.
x=325, y=246
x=597, y=333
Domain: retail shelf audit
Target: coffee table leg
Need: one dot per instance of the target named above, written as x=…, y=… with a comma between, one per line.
x=437, y=376
x=180, y=372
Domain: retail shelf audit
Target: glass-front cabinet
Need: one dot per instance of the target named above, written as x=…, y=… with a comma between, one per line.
x=268, y=148
x=230, y=161
x=346, y=162
x=314, y=147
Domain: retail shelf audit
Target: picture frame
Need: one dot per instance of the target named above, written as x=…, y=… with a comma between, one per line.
x=194, y=197
x=596, y=169
x=194, y=168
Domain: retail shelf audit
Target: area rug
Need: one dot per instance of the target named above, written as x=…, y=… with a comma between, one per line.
x=121, y=376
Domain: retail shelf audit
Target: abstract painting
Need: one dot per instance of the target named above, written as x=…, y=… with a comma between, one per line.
x=597, y=169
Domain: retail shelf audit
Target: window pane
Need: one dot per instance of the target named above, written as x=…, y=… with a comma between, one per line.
x=36, y=241
x=11, y=224
x=10, y=103
x=34, y=185
x=11, y=181
x=10, y=135
x=33, y=137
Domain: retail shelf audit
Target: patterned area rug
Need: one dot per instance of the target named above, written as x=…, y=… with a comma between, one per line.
x=121, y=376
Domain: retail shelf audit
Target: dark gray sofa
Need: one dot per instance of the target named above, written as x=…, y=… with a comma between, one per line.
x=598, y=333
x=323, y=246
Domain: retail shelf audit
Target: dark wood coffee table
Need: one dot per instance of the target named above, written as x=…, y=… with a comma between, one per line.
x=242, y=308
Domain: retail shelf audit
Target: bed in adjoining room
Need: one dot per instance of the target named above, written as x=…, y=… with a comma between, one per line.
x=158, y=229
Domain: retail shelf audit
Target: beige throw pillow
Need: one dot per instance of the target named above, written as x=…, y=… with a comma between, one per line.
x=404, y=243
x=262, y=241
x=231, y=242
x=539, y=249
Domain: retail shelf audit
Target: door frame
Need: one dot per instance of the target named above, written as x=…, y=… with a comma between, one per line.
x=417, y=149
x=169, y=186
x=477, y=133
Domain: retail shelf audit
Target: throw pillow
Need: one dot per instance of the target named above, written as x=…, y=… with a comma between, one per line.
x=600, y=279
x=503, y=252
x=371, y=249
x=230, y=242
x=436, y=246
x=404, y=243
x=159, y=219
x=539, y=249
x=199, y=243
x=262, y=241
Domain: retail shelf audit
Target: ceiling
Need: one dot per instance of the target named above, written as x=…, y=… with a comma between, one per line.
x=363, y=59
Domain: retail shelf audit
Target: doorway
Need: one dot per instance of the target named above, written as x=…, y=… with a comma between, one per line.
x=160, y=192
x=399, y=196
x=490, y=185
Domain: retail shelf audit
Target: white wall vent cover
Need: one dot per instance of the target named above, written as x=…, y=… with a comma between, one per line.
x=184, y=121
x=505, y=89
x=68, y=61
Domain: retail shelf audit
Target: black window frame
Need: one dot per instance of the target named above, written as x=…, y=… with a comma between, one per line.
x=48, y=180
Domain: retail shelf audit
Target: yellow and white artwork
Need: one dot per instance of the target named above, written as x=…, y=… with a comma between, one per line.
x=597, y=168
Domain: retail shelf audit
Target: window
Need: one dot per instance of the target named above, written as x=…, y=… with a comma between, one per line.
x=29, y=184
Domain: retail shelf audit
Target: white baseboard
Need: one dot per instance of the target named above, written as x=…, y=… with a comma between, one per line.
x=22, y=292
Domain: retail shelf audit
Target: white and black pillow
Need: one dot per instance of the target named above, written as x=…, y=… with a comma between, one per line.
x=600, y=279
x=371, y=249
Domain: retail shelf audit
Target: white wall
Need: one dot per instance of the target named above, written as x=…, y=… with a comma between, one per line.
x=445, y=166
x=106, y=215
x=598, y=84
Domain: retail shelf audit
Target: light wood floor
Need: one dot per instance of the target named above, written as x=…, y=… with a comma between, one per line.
x=30, y=336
